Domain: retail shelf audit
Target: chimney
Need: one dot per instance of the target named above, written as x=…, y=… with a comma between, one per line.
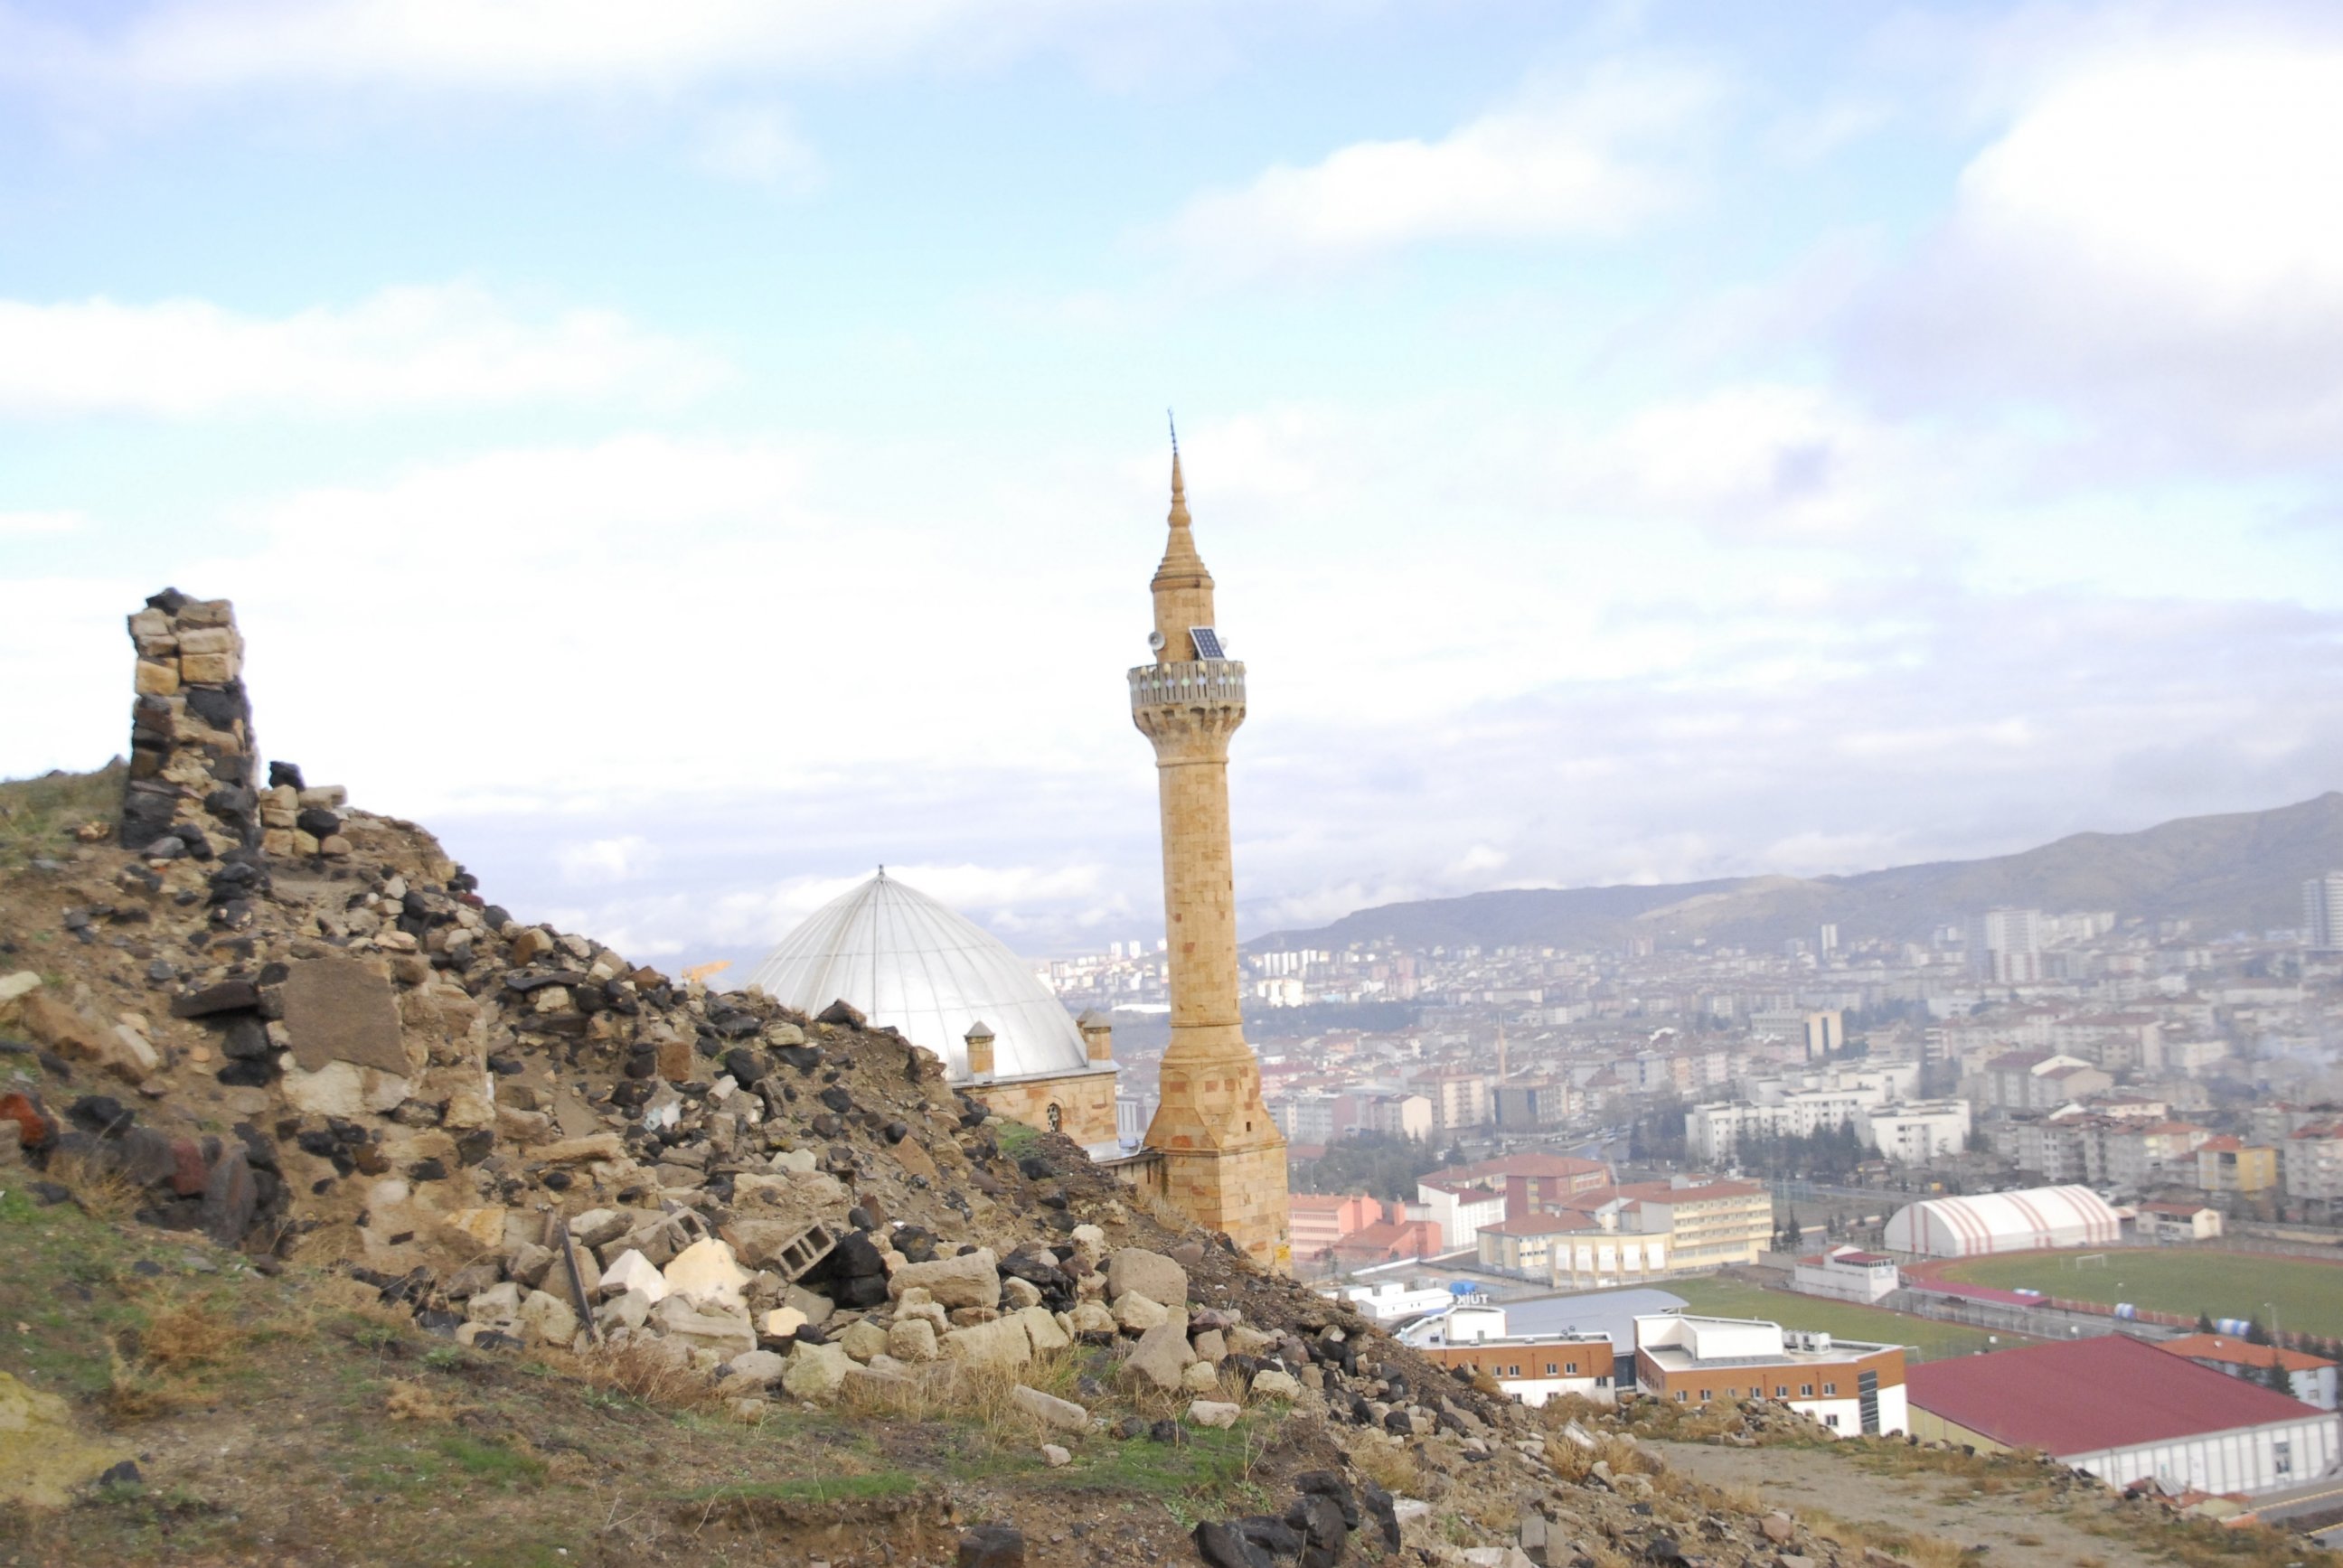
x=979, y=1052
x=1098, y=1036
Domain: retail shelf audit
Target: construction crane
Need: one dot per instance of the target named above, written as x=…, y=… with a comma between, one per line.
x=701, y=972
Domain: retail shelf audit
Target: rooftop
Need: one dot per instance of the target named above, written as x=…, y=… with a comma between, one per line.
x=2230, y=1350
x=2081, y=1396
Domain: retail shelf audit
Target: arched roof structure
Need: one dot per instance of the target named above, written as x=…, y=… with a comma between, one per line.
x=1989, y=1223
x=903, y=959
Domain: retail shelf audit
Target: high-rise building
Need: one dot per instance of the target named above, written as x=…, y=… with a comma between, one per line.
x=2005, y=945
x=1223, y=1158
x=2322, y=913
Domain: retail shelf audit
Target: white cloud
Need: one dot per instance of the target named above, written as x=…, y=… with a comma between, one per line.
x=1558, y=163
x=2153, y=249
x=598, y=862
x=36, y=525
x=452, y=345
x=759, y=147
x=543, y=45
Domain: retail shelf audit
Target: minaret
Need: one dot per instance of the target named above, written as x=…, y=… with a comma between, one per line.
x=1223, y=1158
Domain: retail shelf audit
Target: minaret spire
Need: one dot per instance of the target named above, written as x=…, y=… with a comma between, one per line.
x=1221, y=1157
x=1179, y=519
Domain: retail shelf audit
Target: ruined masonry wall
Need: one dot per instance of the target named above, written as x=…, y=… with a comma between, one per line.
x=194, y=783
x=193, y=788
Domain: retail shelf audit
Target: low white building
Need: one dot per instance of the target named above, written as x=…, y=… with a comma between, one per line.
x=1532, y=1368
x=1392, y=1299
x=1849, y=1386
x=1847, y=1274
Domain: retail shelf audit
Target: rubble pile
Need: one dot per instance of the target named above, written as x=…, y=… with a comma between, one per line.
x=300, y=1028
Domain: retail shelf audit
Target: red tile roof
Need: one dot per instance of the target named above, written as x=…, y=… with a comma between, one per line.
x=2080, y=1396
x=2234, y=1352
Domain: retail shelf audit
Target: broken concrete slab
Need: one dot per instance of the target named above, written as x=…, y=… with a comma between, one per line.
x=339, y=1009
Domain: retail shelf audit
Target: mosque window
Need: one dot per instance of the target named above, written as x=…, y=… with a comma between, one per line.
x=1056, y=1116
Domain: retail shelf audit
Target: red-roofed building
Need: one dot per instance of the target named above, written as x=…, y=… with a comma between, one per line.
x=1390, y=1241
x=2311, y=1377
x=1316, y=1221
x=1532, y=1183
x=2126, y=1411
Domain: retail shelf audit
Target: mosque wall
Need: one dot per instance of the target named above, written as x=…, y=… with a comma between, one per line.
x=1085, y=1102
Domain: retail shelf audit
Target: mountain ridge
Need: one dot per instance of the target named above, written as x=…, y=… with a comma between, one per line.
x=2238, y=871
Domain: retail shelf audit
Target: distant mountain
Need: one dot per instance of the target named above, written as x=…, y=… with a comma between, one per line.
x=2242, y=872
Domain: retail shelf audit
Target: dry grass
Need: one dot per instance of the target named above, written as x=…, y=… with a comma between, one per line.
x=174, y=1361
x=638, y=1372
x=98, y=1190
x=975, y=1392
x=1390, y=1467
x=1922, y=1551
x=415, y=1402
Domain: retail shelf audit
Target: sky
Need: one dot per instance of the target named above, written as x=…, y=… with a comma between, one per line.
x=689, y=454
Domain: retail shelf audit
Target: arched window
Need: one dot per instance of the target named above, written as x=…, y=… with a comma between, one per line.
x=1056, y=1116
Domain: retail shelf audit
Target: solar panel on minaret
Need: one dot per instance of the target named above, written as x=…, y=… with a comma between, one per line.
x=1207, y=641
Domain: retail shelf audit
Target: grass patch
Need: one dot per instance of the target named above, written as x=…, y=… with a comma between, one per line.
x=1016, y=1140
x=810, y=1489
x=1927, y=1338
x=38, y=816
x=2307, y=1294
x=483, y=1459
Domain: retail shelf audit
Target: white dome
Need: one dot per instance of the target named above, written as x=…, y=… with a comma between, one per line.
x=903, y=959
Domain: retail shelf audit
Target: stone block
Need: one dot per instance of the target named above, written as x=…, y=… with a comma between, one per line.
x=1151, y=1274
x=816, y=1371
x=1161, y=1354
x=1000, y=1342
x=1050, y=1409
x=339, y=1009
x=157, y=678
x=1212, y=1413
x=912, y=1339
x=972, y=1280
x=207, y=668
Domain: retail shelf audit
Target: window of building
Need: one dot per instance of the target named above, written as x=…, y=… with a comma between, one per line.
x=1831, y=1421
x=1829, y=1389
x=1805, y=1391
x=1781, y=1390
x=1680, y=1396
x=1706, y=1396
x=1549, y=1369
x=1515, y=1370
x=1573, y=1366
x=2282, y=1458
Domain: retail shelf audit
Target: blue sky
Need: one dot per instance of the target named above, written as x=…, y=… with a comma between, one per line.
x=688, y=454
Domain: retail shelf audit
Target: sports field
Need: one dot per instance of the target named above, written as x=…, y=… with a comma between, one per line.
x=2304, y=1296
x=1929, y=1340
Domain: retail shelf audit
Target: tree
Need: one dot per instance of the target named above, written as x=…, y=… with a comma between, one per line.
x=2256, y=1333
x=2204, y=1323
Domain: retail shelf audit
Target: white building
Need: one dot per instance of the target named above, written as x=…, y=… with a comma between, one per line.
x=1850, y=1386
x=1532, y=1368
x=1917, y=1133
x=1461, y=1208
x=2005, y=945
x=1847, y=1274
x=2322, y=913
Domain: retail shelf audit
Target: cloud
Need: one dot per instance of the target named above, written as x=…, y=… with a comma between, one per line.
x=759, y=147
x=1588, y=161
x=536, y=44
x=627, y=858
x=415, y=347
x=39, y=524
x=2152, y=253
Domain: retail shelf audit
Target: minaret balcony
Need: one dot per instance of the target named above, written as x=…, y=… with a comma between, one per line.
x=1204, y=683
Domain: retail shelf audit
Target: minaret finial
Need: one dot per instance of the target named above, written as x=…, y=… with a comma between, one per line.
x=1178, y=487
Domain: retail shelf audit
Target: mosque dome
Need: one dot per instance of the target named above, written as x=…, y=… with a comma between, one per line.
x=903, y=959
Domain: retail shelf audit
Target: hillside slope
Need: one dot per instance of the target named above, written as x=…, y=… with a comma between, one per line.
x=2239, y=871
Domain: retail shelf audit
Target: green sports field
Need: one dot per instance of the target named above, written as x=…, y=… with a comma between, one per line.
x=1928, y=1339
x=2306, y=1295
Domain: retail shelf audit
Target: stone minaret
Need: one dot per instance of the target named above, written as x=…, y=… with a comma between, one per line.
x=1223, y=1158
